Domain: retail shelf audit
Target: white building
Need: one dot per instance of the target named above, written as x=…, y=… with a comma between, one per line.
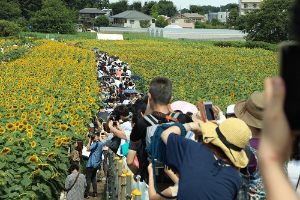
x=223, y=16
x=131, y=19
x=246, y=6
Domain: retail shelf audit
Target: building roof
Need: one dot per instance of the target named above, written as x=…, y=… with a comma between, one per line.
x=91, y=11
x=193, y=15
x=132, y=14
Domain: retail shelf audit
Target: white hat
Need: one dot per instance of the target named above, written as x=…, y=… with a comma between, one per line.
x=91, y=125
x=230, y=109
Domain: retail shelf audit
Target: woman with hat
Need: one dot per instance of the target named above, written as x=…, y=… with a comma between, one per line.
x=208, y=169
x=251, y=112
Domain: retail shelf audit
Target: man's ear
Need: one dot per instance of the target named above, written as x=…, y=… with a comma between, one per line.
x=149, y=97
x=170, y=99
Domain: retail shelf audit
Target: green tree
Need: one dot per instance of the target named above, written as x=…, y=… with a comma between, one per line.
x=197, y=9
x=146, y=9
x=210, y=9
x=185, y=10
x=9, y=10
x=161, y=22
x=154, y=12
x=233, y=15
x=215, y=22
x=145, y=23
x=240, y=22
x=271, y=23
x=119, y=6
x=167, y=8
x=101, y=21
x=229, y=7
x=54, y=17
x=85, y=20
x=30, y=7
x=8, y=28
x=136, y=5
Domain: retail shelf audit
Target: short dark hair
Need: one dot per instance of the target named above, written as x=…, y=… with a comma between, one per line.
x=73, y=166
x=161, y=90
x=122, y=110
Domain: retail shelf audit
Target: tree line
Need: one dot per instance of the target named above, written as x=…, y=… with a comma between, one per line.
x=270, y=23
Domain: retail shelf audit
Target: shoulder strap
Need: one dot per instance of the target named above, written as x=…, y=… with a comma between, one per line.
x=73, y=183
x=152, y=120
x=298, y=183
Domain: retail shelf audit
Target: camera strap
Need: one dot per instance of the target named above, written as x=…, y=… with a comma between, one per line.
x=67, y=190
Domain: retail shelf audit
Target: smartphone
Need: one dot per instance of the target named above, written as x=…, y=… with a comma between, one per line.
x=103, y=124
x=208, y=106
x=289, y=55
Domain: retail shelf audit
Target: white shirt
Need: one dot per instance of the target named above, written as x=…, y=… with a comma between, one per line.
x=293, y=170
x=126, y=126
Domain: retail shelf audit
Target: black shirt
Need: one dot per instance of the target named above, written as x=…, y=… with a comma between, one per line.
x=140, y=128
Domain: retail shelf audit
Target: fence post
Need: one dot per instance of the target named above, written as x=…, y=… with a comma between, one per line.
x=123, y=186
x=128, y=185
x=119, y=178
x=115, y=178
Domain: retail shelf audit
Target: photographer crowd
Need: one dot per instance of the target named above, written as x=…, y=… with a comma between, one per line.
x=248, y=153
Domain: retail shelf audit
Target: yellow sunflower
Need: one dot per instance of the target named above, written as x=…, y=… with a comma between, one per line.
x=58, y=142
x=10, y=139
x=33, y=144
x=20, y=140
x=22, y=106
x=29, y=134
x=10, y=126
x=37, y=172
x=28, y=127
x=21, y=126
x=44, y=154
x=33, y=158
x=51, y=155
x=5, y=151
x=68, y=140
x=63, y=127
x=57, y=123
x=55, y=175
x=73, y=123
x=42, y=164
x=2, y=130
x=31, y=118
x=38, y=115
x=37, y=121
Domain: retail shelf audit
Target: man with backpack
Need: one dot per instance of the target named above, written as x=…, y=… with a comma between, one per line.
x=159, y=98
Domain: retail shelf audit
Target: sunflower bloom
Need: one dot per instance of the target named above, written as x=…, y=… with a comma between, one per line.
x=44, y=154
x=42, y=164
x=10, y=126
x=29, y=134
x=5, y=151
x=10, y=139
x=51, y=155
x=37, y=172
x=2, y=130
x=21, y=140
x=37, y=121
x=55, y=175
x=28, y=127
x=33, y=144
x=73, y=123
x=63, y=127
x=33, y=158
x=58, y=142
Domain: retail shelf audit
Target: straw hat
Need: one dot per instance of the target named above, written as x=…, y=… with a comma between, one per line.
x=231, y=136
x=251, y=110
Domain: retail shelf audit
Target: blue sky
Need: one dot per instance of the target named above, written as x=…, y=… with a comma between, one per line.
x=186, y=3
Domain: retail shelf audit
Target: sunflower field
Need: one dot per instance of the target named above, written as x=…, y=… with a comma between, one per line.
x=198, y=71
x=46, y=100
x=49, y=94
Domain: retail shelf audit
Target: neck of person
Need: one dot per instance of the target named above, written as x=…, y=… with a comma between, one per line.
x=161, y=108
x=256, y=133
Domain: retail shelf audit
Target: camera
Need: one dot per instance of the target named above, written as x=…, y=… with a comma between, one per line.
x=114, y=123
x=70, y=145
x=91, y=135
x=112, y=117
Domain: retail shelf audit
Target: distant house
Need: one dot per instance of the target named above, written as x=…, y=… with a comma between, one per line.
x=246, y=6
x=186, y=20
x=131, y=19
x=93, y=12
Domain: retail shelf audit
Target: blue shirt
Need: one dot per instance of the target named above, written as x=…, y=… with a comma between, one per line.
x=200, y=175
x=95, y=156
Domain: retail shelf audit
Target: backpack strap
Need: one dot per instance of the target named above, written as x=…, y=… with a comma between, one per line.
x=174, y=116
x=151, y=119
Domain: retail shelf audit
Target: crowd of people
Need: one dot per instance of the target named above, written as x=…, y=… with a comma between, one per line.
x=248, y=153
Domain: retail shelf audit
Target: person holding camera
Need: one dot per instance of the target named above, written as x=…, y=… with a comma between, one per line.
x=93, y=163
x=77, y=153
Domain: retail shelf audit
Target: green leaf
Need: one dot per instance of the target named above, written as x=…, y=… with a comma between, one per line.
x=26, y=182
x=2, y=164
